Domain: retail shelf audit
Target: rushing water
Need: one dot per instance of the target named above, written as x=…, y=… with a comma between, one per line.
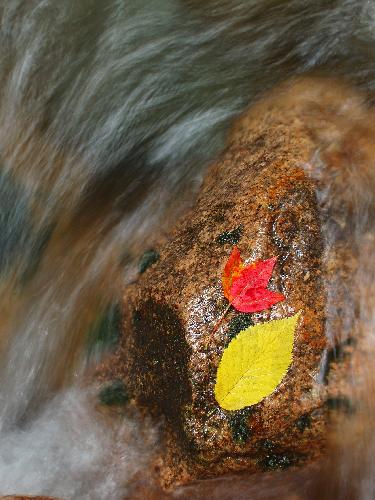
x=109, y=111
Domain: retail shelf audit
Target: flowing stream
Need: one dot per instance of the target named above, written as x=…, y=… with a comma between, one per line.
x=109, y=112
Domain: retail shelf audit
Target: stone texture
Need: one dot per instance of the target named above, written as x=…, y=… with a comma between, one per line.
x=282, y=187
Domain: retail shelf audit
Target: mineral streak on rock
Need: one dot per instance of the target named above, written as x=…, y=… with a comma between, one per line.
x=269, y=182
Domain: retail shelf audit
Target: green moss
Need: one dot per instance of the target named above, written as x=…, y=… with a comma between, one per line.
x=105, y=331
x=303, y=422
x=239, y=427
x=148, y=258
x=232, y=236
x=237, y=324
x=274, y=458
x=277, y=461
x=266, y=445
x=114, y=394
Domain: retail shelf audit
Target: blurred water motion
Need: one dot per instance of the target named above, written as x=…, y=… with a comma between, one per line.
x=109, y=112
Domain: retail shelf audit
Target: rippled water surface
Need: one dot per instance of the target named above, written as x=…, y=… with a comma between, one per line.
x=109, y=112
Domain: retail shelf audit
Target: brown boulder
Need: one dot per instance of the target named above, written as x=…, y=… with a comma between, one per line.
x=280, y=188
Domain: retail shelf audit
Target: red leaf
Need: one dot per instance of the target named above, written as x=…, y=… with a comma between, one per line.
x=256, y=299
x=232, y=271
x=245, y=287
x=255, y=275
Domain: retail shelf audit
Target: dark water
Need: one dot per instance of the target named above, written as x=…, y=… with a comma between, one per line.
x=109, y=112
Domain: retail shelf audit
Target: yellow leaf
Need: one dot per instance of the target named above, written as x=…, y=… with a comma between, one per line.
x=254, y=363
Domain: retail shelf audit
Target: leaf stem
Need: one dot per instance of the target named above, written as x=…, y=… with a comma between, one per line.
x=220, y=320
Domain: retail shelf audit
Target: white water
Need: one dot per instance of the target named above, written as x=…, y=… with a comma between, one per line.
x=68, y=452
x=108, y=113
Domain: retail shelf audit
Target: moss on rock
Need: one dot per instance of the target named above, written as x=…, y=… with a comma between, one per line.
x=114, y=394
x=231, y=237
x=149, y=258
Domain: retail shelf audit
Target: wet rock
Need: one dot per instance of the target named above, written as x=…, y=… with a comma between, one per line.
x=270, y=182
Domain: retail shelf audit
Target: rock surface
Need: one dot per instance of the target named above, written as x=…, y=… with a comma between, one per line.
x=282, y=187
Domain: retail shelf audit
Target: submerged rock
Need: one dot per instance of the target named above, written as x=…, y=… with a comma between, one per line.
x=279, y=189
